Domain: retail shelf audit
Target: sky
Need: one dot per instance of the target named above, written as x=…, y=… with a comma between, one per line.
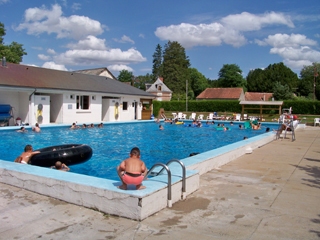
x=123, y=34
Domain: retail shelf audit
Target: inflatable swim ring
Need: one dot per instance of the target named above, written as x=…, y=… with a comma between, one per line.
x=68, y=154
x=116, y=111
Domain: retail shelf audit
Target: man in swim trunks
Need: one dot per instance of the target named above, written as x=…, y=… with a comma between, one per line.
x=132, y=170
x=26, y=155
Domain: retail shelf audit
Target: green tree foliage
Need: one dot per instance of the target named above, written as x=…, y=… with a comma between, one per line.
x=13, y=52
x=198, y=82
x=140, y=81
x=157, y=62
x=259, y=80
x=281, y=92
x=309, y=75
x=175, y=68
x=230, y=75
x=125, y=76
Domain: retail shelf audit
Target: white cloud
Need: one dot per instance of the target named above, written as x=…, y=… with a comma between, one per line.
x=76, y=6
x=119, y=67
x=100, y=57
x=295, y=49
x=4, y=1
x=285, y=40
x=53, y=65
x=90, y=42
x=43, y=57
x=51, y=51
x=124, y=39
x=296, y=54
x=42, y=20
x=253, y=22
x=141, y=35
x=229, y=30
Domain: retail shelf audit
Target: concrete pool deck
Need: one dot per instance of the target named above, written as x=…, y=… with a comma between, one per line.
x=272, y=193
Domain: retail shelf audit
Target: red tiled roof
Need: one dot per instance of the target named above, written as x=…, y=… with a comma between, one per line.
x=257, y=96
x=221, y=93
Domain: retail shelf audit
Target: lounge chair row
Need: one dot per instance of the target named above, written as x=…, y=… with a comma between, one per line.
x=211, y=116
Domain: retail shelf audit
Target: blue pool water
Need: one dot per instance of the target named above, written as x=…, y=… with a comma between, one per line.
x=112, y=143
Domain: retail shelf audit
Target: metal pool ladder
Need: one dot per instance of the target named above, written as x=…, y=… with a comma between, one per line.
x=165, y=167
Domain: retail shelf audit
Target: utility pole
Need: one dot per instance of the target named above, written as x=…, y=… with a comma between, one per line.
x=186, y=95
x=315, y=74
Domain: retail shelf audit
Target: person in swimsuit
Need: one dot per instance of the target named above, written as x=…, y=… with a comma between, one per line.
x=26, y=155
x=61, y=166
x=132, y=170
x=36, y=128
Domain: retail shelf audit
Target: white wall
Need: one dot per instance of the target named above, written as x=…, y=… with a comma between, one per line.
x=71, y=114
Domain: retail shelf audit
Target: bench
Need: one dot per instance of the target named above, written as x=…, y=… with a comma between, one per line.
x=5, y=114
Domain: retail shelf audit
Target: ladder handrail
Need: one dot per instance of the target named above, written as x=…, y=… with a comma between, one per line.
x=183, y=172
x=169, y=176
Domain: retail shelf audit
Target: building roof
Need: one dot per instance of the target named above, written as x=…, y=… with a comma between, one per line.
x=23, y=76
x=267, y=103
x=257, y=96
x=156, y=84
x=221, y=93
x=98, y=71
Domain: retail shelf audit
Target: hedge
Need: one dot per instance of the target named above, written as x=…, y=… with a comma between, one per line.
x=298, y=107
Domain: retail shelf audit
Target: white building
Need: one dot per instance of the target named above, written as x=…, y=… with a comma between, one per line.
x=52, y=96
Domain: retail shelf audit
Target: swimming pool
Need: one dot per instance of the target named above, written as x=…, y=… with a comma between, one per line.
x=112, y=143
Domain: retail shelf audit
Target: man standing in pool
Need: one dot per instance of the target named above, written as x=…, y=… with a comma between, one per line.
x=132, y=170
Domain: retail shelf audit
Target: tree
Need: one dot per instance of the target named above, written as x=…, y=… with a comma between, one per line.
x=256, y=80
x=309, y=75
x=13, y=52
x=282, y=92
x=125, y=76
x=175, y=68
x=230, y=75
x=198, y=82
x=157, y=62
x=140, y=81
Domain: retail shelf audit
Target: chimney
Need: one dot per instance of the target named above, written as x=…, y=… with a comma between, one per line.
x=4, y=63
x=161, y=78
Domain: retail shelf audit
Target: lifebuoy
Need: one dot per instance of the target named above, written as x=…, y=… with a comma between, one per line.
x=39, y=113
x=116, y=111
x=68, y=154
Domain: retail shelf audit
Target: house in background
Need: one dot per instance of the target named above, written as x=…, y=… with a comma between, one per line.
x=104, y=72
x=159, y=89
x=222, y=94
x=258, y=96
x=52, y=96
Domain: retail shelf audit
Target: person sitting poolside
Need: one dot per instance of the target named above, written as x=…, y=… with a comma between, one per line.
x=26, y=155
x=132, y=170
x=61, y=166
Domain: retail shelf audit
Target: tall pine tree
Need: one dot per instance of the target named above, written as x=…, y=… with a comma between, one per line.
x=175, y=68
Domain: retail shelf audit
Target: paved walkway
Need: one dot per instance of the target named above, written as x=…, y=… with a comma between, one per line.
x=273, y=193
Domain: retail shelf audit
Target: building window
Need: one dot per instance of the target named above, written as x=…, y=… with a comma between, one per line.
x=82, y=102
x=125, y=106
